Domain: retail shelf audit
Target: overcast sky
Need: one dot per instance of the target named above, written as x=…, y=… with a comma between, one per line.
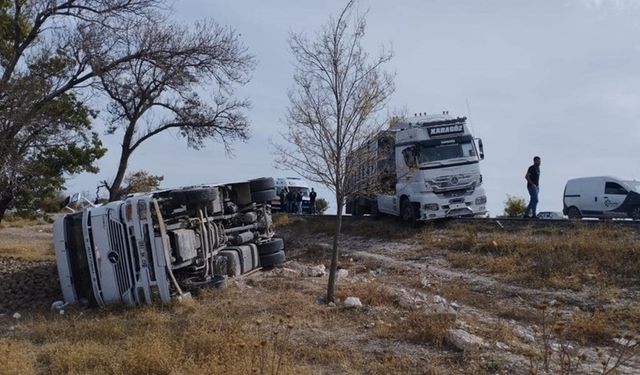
x=557, y=78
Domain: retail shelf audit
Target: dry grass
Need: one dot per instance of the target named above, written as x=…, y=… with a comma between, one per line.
x=594, y=256
x=419, y=327
x=370, y=293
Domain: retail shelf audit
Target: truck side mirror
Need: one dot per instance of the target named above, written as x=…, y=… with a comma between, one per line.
x=480, y=148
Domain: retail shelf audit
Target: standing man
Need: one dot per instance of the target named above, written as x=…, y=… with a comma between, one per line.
x=312, y=201
x=299, y=202
x=533, y=179
x=283, y=200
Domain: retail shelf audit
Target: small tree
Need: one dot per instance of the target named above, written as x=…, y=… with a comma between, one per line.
x=514, y=206
x=338, y=90
x=321, y=206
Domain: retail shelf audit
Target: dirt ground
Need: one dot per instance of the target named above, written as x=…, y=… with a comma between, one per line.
x=422, y=311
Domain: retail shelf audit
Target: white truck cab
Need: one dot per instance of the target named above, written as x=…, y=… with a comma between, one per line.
x=161, y=245
x=427, y=168
x=602, y=197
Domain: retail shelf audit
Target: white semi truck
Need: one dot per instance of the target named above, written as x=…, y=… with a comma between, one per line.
x=162, y=245
x=423, y=168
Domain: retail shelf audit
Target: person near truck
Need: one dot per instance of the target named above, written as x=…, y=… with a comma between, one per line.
x=291, y=201
x=312, y=201
x=283, y=200
x=533, y=186
x=299, y=203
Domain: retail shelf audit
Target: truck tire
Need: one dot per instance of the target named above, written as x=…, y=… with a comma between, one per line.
x=408, y=212
x=273, y=246
x=635, y=213
x=574, y=213
x=194, y=196
x=260, y=184
x=263, y=196
x=194, y=283
x=272, y=259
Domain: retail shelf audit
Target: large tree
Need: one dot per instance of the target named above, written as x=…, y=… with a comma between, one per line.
x=49, y=51
x=338, y=90
x=163, y=93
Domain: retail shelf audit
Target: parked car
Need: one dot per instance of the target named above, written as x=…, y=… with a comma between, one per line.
x=161, y=245
x=602, y=197
x=550, y=215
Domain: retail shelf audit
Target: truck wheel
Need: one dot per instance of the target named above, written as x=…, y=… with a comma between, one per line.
x=263, y=196
x=272, y=259
x=196, y=282
x=635, y=213
x=276, y=244
x=574, y=213
x=408, y=212
x=195, y=196
x=259, y=184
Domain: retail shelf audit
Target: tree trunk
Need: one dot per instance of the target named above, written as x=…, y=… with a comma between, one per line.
x=334, y=256
x=5, y=201
x=114, y=188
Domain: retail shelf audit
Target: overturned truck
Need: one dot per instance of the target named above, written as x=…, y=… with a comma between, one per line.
x=163, y=245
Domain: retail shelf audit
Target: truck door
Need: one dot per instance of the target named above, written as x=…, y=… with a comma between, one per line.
x=614, y=195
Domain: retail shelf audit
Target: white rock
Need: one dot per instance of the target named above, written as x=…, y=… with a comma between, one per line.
x=342, y=273
x=17, y=315
x=351, y=302
x=455, y=306
x=463, y=340
x=524, y=334
x=624, y=342
x=331, y=304
x=315, y=271
x=502, y=345
x=286, y=272
x=439, y=300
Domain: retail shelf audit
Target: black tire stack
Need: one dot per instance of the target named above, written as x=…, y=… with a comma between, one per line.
x=271, y=252
x=262, y=189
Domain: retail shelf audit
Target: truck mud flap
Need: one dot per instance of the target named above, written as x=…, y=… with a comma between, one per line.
x=241, y=259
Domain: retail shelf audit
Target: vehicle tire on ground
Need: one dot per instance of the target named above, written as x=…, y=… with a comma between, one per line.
x=273, y=246
x=260, y=184
x=635, y=213
x=263, y=196
x=272, y=259
x=574, y=213
x=194, y=283
x=408, y=212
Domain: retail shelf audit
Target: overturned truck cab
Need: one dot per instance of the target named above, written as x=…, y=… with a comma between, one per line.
x=162, y=245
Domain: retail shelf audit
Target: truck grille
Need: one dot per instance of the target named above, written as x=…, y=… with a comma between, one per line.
x=118, y=246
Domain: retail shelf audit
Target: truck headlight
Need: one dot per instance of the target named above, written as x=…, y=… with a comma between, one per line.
x=431, y=207
x=481, y=200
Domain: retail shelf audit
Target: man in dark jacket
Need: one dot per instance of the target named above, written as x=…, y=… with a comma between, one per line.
x=533, y=180
x=299, y=203
x=312, y=202
x=283, y=200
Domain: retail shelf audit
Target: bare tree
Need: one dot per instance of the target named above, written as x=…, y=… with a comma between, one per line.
x=150, y=96
x=49, y=51
x=338, y=90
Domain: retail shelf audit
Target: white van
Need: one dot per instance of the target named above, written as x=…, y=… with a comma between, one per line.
x=295, y=184
x=602, y=197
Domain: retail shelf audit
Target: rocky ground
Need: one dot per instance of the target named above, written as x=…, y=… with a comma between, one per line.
x=402, y=307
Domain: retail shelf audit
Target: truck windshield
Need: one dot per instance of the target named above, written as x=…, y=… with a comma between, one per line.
x=447, y=149
x=303, y=190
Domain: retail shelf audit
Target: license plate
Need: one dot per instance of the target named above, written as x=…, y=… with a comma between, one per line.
x=457, y=206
